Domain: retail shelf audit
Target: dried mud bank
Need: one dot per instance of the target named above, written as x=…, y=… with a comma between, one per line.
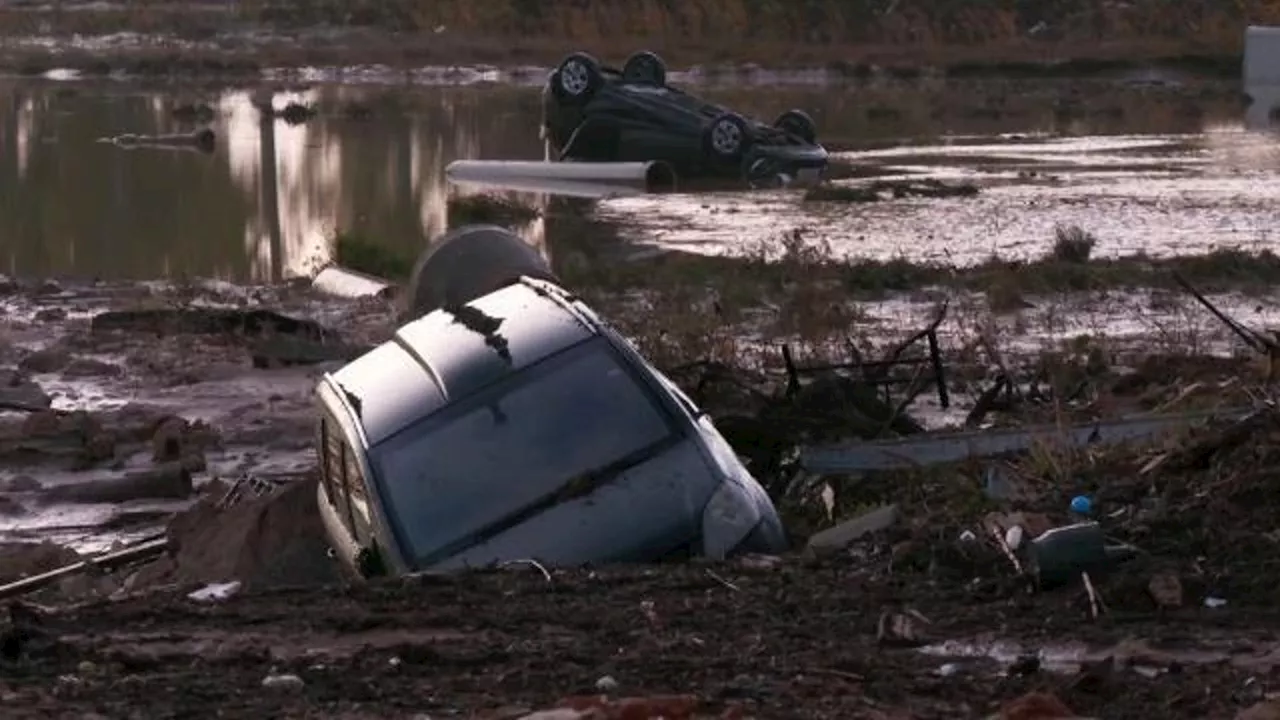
x=854, y=36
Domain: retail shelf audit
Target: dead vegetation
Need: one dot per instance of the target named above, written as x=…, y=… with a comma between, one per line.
x=968, y=36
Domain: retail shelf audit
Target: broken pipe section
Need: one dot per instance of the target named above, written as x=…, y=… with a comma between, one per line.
x=652, y=176
x=1058, y=556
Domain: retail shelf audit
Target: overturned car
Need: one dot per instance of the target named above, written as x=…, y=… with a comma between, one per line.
x=596, y=113
x=519, y=425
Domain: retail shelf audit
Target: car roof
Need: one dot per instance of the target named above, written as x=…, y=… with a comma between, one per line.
x=443, y=357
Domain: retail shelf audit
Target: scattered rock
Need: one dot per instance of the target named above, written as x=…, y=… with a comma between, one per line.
x=19, y=393
x=288, y=683
x=841, y=536
x=170, y=481
x=7, y=285
x=208, y=321
x=48, y=287
x=91, y=367
x=1166, y=590
x=88, y=585
x=51, y=315
x=167, y=442
x=904, y=629
x=48, y=360
x=42, y=424
x=606, y=684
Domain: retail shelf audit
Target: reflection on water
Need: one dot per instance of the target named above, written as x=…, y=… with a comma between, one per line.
x=264, y=204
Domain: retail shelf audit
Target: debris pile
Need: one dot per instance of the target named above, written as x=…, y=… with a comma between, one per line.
x=265, y=541
x=1206, y=507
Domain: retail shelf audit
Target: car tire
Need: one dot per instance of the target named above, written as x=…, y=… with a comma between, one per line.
x=798, y=123
x=469, y=262
x=576, y=79
x=645, y=68
x=727, y=137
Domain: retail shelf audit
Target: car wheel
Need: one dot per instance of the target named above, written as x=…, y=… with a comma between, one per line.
x=798, y=123
x=645, y=67
x=726, y=137
x=577, y=78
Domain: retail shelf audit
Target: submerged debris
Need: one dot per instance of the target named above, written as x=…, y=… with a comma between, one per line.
x=878, y=190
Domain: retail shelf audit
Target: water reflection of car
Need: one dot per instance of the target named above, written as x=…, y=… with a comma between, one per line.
x=596, y=113
x=521, y=426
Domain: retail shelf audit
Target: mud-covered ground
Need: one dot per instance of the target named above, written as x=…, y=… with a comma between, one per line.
x=785, y=641
x=922, y=618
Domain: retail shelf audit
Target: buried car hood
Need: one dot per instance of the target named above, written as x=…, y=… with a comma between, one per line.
x=648, y=511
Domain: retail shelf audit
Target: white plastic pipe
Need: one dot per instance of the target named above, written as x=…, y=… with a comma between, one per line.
x=652, y=176
x=341, y=282
x=558, y=187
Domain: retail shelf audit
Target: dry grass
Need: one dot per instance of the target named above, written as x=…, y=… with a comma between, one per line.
x=965, y=35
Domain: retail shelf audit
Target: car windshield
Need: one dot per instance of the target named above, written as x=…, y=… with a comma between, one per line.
x=455, y=473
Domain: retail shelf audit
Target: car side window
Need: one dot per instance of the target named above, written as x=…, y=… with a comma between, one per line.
x=357, y=493
x=333, y=469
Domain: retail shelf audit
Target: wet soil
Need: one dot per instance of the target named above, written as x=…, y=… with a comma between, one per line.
x=790, y=641
x=836, y=636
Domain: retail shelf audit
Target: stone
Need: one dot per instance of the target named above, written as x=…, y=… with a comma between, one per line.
x=170, y=481
x=91, y=367
x=168, y=439
x=286, y=683
x=846, y=533
x=48, y=360
x=1166, y=590
x=24, y=395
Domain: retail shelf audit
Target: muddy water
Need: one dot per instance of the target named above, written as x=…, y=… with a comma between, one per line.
x=265, y=202
x=1162, y=194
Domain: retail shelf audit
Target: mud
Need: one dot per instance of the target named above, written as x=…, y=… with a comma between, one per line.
x=135, y=399
x=490, y=645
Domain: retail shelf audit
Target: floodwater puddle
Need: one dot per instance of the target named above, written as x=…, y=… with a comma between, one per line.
x=369, y=160
x=1160, y=195
x=1142, y=657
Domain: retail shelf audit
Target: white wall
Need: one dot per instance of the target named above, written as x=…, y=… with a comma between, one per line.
x=1262, y=55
